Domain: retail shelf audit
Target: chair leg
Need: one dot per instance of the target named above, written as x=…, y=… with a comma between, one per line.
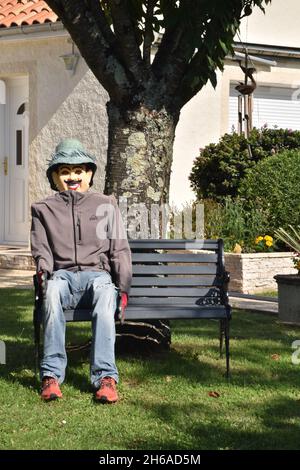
x=222, y=332
x=227, y=347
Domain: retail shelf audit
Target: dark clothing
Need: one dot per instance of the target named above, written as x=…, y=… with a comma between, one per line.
x=81, y=231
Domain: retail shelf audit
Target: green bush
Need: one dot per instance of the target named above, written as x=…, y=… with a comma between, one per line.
x=272, y=187
x=219, y=169
x=233, y=221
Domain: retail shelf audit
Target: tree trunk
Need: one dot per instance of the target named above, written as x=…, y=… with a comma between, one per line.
x=139, y=164
x=140, y=152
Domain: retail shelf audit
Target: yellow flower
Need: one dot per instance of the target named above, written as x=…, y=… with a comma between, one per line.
x=258, y=239
x=268, y=238
x=269, y=243
x=237, y=248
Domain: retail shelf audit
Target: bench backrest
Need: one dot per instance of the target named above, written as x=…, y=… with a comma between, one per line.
x=178, y=272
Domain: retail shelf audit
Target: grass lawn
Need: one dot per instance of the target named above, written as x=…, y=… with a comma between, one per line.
x=269, y=293
x=164, y=401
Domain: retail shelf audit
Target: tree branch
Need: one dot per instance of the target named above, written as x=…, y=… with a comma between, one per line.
x=176, y=48
x=173, y=60
x=196, y=76
x=148, y=36
x=209, y=34
x=125, y=32
x=209, y=57
x=102, y=22
x=95, y=46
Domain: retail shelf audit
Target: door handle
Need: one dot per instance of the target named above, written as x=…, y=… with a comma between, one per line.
x=5, y=164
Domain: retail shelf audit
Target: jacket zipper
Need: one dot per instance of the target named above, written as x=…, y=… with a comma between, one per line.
x=74, y=228
x=79, y=228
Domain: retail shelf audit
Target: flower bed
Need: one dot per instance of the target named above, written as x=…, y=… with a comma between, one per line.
x=252, y=273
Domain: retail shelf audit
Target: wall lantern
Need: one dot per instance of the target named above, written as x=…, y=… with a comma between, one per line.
x=71, y=60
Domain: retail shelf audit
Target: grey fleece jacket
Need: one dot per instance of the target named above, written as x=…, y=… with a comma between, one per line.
x=81, y=231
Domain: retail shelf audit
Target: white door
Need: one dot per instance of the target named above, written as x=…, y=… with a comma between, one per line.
x=2, y=154
x=15, y=166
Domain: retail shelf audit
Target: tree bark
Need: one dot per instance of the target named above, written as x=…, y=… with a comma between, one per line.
x=140, y=153
x=139, y=162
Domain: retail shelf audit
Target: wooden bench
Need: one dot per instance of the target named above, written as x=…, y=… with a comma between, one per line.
x=170, y=282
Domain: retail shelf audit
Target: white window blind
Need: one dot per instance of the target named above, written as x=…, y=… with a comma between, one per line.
x=274, y=106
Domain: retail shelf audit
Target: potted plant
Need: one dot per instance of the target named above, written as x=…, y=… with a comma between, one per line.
x=289, y=284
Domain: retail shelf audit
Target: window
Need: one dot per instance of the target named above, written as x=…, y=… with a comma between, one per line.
x=272, y=105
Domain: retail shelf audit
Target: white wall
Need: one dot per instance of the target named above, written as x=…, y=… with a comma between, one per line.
x=278, y=27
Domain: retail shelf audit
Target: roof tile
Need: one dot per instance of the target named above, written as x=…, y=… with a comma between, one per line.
x=25, y=12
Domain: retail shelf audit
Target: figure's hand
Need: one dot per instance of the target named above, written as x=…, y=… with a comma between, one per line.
x=42, y=277
x=122, y=306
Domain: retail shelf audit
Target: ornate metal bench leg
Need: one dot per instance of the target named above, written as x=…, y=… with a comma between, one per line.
x=222, y=333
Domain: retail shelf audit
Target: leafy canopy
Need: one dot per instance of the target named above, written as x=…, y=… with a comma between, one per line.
x=192, y=38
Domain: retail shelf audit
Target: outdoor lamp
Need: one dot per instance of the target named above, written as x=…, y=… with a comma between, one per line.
x=70, y=60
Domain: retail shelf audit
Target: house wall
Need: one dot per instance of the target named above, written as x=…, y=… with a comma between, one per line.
x=59, y=105
x=279, y=26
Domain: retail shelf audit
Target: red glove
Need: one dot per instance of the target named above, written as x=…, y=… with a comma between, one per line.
x=122, y=306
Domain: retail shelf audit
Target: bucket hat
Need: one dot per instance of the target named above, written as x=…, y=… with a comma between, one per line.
x=70, y=152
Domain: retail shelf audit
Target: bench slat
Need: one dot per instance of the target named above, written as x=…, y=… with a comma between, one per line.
x=168, y=292
x=188, y=312
x=174, y=244
x=185, y=269
x=173, y=281
x=148, y=313
x=166, y=301
x=175, y=257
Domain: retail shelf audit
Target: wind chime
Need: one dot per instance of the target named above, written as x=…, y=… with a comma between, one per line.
x=245, y=99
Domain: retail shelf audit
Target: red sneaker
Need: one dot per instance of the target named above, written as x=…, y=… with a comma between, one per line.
x=107, y=392
x=50, y=389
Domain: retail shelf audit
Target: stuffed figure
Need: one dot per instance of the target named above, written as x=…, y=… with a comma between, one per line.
x=83, y=259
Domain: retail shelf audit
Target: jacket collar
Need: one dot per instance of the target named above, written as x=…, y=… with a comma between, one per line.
x=72, y=196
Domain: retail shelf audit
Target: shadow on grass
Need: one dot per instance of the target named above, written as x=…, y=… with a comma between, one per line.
x=194, y=354
x=279, y=427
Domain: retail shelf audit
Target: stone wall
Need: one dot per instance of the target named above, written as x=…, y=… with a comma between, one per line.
x=254, y=272
x=17, y=261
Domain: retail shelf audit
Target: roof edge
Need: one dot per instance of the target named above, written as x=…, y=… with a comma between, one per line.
x=268, y=49
x=36, y=31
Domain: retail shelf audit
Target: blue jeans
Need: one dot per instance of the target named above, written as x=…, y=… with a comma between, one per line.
x=82, y=289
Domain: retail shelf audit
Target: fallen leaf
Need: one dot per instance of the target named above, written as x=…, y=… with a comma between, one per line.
x=214, y=394
x=275, y=357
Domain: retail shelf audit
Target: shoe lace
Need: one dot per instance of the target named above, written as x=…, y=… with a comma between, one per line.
x=47, y=382
x=107, y=382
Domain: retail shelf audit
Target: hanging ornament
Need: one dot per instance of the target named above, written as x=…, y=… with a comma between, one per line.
x=245, y=99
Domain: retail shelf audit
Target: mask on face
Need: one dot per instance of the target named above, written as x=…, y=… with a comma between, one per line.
x=73, y=177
